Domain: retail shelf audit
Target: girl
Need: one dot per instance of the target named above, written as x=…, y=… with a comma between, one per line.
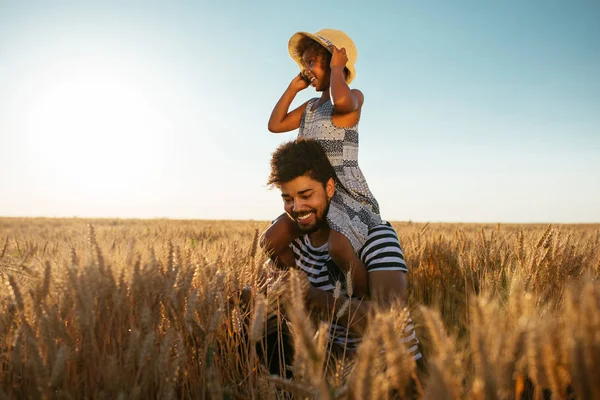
x=326, y=60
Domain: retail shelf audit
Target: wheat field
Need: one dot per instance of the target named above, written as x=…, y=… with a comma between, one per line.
x=140, y=309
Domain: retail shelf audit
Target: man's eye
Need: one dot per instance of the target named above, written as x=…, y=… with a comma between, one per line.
x=287, y=200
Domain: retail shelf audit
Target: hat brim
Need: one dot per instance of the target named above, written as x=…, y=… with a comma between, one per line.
x=293, y=50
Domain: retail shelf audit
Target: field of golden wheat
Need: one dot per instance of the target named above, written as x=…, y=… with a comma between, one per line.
x=119, y=309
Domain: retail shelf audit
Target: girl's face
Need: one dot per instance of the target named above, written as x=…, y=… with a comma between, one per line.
x=316, y=71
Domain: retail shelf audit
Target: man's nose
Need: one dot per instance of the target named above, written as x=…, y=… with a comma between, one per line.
x=298, y=205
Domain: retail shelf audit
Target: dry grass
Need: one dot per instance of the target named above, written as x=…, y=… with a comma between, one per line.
x=151, y=309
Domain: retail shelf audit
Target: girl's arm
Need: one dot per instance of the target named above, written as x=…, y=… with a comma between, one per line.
x=281, y=120
x=344, y=99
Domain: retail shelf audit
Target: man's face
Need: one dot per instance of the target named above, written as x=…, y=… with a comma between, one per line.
x=307, y=202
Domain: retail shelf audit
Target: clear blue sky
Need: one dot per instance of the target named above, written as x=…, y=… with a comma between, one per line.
x=475, y=111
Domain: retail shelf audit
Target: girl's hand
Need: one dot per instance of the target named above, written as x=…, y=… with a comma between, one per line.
x=300, y=82
x=338, y=57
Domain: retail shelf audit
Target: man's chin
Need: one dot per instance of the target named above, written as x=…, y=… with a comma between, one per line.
x=307, y=229
x=312, y=228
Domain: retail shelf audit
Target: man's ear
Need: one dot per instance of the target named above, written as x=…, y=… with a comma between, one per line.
x=330, y=188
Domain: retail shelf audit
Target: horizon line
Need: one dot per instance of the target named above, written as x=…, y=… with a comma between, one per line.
x=409, y=221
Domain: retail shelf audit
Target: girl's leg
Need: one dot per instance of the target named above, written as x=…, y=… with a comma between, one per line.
x=275, y=241
x=344, y=256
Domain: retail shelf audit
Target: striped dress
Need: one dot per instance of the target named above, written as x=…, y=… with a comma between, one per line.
x=353, y=209
x=381, y=252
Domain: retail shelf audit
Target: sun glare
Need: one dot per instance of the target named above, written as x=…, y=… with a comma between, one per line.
x=97, y=130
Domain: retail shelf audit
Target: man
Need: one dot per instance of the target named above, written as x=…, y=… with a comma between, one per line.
x=301, y=171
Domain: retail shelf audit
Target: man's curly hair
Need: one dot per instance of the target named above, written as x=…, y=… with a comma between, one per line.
x=298, y=158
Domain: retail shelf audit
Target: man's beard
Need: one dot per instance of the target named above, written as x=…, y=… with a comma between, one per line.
x=319, y=222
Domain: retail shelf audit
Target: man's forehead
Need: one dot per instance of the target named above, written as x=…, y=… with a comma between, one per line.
x=299, y=185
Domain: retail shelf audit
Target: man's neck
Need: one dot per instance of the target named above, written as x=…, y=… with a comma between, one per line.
x=319, y=237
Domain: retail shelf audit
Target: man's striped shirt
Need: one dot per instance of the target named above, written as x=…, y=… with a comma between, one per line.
x=381, y=252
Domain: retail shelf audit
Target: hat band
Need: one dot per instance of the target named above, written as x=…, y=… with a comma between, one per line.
x=325, y=40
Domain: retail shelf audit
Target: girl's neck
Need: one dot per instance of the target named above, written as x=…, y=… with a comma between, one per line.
x=325, y=95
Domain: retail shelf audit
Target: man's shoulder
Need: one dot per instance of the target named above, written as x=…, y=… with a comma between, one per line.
x=381, y=234
x=380, y=229
x=382, y=250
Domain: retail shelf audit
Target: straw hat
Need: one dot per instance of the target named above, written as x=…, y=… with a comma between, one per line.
x=327, y=37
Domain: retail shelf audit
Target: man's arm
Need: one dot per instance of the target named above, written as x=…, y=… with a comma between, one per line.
x=384, y=259
x=354, y=315
x=387, y=287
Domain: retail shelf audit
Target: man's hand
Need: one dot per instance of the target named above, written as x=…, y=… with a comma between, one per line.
x=276, y=280
x=279, y=283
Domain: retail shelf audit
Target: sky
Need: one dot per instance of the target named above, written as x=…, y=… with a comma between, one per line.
x=475, y=111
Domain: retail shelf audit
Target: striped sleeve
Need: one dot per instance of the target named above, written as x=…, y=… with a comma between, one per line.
x=382, y=250
x=313, y=262
x=411, y=341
